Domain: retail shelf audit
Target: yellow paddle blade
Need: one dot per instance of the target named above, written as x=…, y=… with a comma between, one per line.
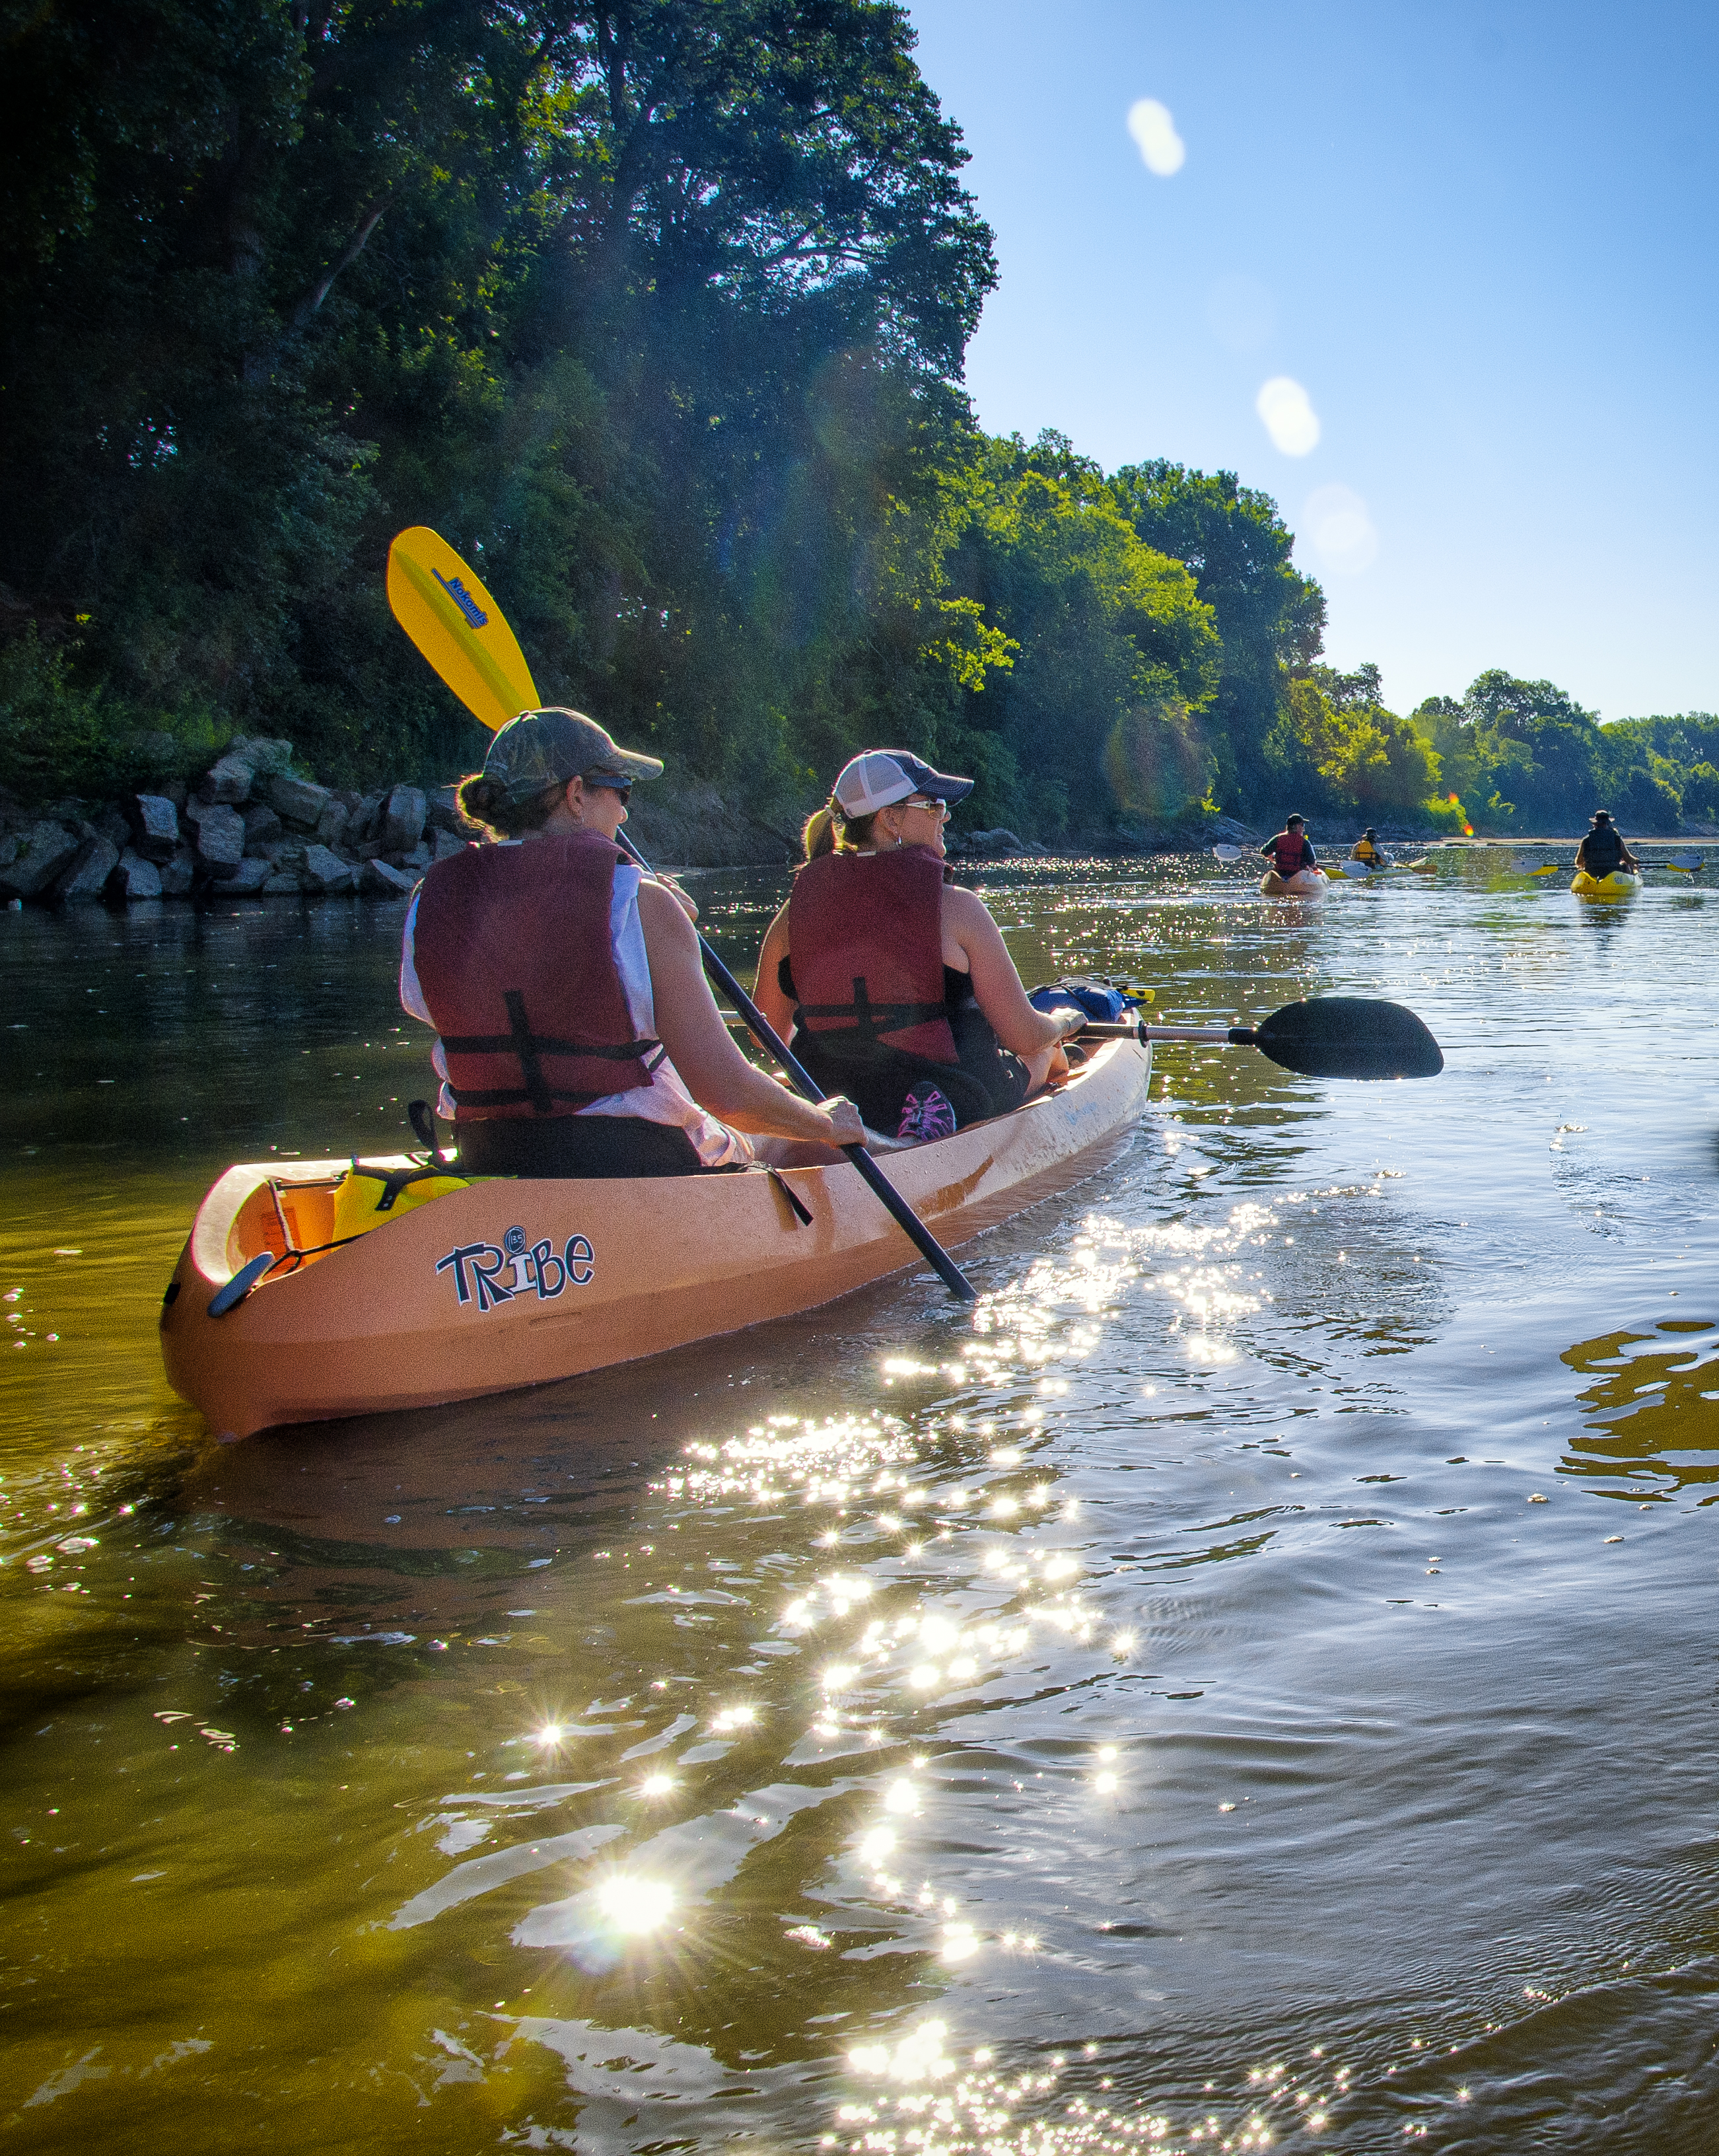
x=442, y=607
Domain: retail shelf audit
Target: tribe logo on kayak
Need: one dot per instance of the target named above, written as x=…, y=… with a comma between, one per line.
x=489, y=1276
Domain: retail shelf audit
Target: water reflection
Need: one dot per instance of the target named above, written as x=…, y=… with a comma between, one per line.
x=1152, y=1712
x=1654, y=1405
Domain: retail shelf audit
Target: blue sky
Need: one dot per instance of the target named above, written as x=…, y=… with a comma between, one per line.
x=1482, y=238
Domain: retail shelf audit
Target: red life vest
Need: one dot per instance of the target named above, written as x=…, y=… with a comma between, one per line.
x=865, y=941
x=1291, y=857
x=516, y=962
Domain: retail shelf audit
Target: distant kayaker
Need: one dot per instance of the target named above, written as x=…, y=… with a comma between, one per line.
x=896, y=983
x=578, y=1036
x=1603, y=848
x=1291, y=851
x=1368, y=850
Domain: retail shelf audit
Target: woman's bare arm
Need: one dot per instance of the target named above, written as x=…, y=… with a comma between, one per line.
x=701, y=1048
x=996, y=986
x=767, y=993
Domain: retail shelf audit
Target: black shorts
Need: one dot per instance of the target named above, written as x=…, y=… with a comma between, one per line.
x=594, y=1148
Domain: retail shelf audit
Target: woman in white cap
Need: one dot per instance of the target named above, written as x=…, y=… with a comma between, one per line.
x=896, y=983
x=578, y=1036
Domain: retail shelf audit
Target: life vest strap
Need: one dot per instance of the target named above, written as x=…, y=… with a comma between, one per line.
x=870, y=1021
x=531, y=1048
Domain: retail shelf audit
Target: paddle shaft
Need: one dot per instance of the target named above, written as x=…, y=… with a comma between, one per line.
x=1230, y=1036
x=900, y=1211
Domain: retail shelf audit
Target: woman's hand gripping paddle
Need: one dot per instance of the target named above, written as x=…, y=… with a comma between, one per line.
x=1327, y=1037
x=459, y=628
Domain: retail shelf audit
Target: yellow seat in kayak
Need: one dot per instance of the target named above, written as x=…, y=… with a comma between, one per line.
x=1618, y=884
x=366, y=1198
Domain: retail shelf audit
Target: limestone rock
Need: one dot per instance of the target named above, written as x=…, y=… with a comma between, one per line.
x=418, y=859
x=334, y=825
x=250, y=875
x=298, y=800
x=179, y=874
x=265, y=757
x=48, y=850
x=995, y=845
x=220, y=840
x=325, y=871
x=228, y=782
x=135, y=877
x=377, y=880
x=261, y=825
x=87, y=878
x=401, y=824
x=282, y=884
x=447, y=843
x=157, y=822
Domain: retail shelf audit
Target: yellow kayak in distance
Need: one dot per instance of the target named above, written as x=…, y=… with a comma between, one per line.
x=1618, y=884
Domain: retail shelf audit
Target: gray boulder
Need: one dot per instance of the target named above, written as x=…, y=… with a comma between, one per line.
x=157, y=823
x=334, y=824
x=995, y=845
x=401, y=824
x=265, y=757
x=48, y=850
x=447, y=843
x=298, y=800
x=366, y=815
x=324, y=871
x=179, y=874
x=135, y=877
x=87, y=878
x=377, y=880
x=250, y=875
x=283, y=883
x=229, y=781
x=220, y=840
x=261, y=825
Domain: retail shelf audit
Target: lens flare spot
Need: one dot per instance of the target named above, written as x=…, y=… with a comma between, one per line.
x=1162, y=149
x=1288, y=414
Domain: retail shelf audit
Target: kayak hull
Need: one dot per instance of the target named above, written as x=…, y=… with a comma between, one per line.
x=514, y=1282
x=1305, y=883
x=1619, y=883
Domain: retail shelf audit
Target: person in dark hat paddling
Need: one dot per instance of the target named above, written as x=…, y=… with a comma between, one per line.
x=577, y=1033
x=896, y=983
x=1368, y=850
x=1604, y=849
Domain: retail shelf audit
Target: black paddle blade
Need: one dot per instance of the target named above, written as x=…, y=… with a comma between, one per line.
x=1350, y=1037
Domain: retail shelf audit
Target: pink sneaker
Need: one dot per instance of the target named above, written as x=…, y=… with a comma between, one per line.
x=926, y=1116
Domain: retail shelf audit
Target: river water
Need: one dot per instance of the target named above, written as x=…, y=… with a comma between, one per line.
x=1250, y=1684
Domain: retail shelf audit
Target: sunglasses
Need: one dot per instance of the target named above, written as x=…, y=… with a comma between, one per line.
x=938, y=809
x=621, y=788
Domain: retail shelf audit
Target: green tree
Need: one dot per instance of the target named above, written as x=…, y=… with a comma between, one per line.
x=1270, y=618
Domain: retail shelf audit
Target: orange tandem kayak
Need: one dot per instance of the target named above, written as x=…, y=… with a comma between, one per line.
x=510, y=1282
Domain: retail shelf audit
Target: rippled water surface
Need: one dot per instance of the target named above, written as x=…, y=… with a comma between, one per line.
x=1251, y=1685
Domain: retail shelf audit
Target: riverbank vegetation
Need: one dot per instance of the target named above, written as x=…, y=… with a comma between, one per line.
x=658, y=312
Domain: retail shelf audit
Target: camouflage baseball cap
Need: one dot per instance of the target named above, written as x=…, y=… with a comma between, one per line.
x=539, y=748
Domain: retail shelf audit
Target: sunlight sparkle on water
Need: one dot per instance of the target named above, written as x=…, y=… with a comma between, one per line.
x=635, y=1906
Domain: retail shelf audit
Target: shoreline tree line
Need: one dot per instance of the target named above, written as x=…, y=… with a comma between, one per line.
x=657, y=310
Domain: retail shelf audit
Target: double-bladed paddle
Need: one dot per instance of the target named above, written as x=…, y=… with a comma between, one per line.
x=1324, y=1037
x=444, y=608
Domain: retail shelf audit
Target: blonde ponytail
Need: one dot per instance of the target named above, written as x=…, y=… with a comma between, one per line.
x=831, y=830
x=818, y=836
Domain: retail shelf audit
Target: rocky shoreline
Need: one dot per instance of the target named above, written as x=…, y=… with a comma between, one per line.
x=248, y=828
x=251, y=827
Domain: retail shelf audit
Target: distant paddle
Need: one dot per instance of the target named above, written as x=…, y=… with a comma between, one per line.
x=439, y=602
x=1324, y=1037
